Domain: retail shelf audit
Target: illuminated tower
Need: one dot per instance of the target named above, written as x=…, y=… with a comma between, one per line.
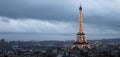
x=80, y=42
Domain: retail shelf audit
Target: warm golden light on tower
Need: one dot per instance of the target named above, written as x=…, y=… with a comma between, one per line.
x=80, y=41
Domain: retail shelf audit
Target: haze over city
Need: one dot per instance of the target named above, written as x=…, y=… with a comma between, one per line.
x=58, y=19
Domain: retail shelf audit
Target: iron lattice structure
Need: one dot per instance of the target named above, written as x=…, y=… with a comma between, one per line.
x=80, y=42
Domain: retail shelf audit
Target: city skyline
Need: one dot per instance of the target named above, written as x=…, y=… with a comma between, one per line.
x=58, y=20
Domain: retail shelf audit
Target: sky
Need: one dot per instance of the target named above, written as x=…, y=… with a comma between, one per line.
x=58, y=19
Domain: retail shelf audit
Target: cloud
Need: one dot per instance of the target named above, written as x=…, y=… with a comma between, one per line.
x=38, y=9
x=34, y=25
x=100, y=12
x=45, y=26
x=59, y=16
x=29, y=29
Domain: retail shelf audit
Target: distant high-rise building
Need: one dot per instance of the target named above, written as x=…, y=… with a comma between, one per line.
x=80, y=42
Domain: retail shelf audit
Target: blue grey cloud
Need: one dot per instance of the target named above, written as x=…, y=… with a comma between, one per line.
x=60, y=16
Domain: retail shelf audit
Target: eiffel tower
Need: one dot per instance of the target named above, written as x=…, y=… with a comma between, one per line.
x=80, y=42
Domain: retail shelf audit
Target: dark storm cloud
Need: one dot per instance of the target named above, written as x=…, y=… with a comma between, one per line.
x=38, y=9
x=101, y=12
x=60, y=16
